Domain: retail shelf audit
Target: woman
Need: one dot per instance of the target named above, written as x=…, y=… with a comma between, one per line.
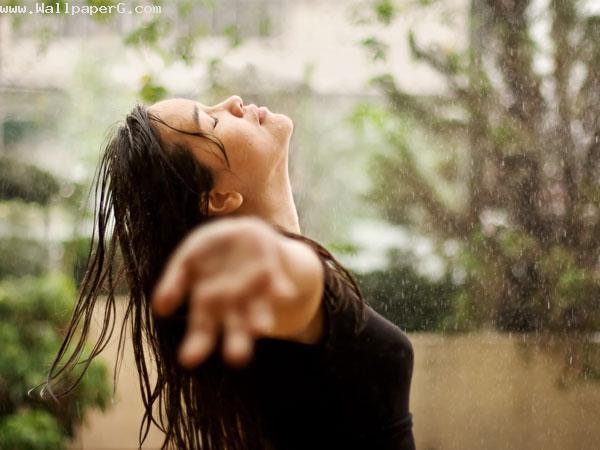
x=258, y=337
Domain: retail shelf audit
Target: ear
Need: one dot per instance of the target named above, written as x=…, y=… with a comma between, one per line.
x=222, y=203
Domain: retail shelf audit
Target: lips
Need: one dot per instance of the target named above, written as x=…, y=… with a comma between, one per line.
x=262, y=114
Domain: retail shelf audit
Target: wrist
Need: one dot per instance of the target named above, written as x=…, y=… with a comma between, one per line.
x=301, y=320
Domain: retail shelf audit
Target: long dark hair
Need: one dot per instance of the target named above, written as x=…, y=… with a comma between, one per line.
x=149, y=194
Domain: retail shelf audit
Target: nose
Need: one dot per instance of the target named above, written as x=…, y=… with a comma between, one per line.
x=235, y=105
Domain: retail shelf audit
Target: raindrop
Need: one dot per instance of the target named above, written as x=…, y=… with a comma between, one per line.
x=67, y=190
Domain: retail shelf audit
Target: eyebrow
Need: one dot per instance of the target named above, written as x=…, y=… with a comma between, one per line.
x=197, y=114
x=197, y=120
x=197, y=117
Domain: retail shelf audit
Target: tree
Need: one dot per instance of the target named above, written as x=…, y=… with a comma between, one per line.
x=516, y=180
x=35, y=304
x=33, y=310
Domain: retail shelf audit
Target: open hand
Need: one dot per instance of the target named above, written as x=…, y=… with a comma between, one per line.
x=233, y=271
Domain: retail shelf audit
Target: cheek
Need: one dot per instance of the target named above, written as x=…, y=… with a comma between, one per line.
x=245, y=151
x=256, y=150
x=252, y=142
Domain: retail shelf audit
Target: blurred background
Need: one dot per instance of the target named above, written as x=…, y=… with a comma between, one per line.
x=447, y=151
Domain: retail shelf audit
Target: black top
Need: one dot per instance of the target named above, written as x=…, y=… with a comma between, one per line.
x=350, y=391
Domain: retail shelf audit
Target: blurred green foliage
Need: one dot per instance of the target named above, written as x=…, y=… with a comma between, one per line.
x=26, y=182
x=500, y=166
x=27, y=256
x=231, y=32
x=31, y=430
x=385, y=11
x=15, y=130
x=35, y=307
x=505, y=168
x=75, y=258
x=149, y=33
x=150, y=91
x=33, y=310
x=410, y=300
x=376, y=47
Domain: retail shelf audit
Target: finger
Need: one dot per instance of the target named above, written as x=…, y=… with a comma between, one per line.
x=213, y=295
x=206, y=239
x=174, y=282
x=260, y=317
x=171, y=289
x=237, y=343
x=200, y=339
x=228, y=289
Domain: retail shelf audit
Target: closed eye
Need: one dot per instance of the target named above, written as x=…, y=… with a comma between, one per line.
x=216, y=122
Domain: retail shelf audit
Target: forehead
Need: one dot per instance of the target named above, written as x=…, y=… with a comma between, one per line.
x=180, y=109
x=180, y=113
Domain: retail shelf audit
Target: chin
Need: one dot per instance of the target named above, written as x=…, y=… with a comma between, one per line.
x=282, y=125
x=289, y=123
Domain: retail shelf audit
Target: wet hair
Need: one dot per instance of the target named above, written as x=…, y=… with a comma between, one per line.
x=149, y=195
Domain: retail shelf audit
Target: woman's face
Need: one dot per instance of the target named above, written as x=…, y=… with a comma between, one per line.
x=256, y=143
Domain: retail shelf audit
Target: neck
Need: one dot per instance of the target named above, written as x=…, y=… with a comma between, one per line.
x=275, y=205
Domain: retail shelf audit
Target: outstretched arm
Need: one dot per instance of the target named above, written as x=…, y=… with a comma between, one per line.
x=246, y=279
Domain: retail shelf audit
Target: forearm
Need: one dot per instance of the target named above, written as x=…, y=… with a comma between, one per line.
x=301, y=320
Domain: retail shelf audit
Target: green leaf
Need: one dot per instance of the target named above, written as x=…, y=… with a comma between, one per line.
x=385, y=11
x=148, y=33
x=232, y=33
x=150, y=92
x=26, y=182
x=31, y=430
x=377, y=48
x=264, y=26
x=98, y=3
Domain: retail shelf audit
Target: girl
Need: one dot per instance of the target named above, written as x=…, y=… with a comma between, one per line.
x=256, y=337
